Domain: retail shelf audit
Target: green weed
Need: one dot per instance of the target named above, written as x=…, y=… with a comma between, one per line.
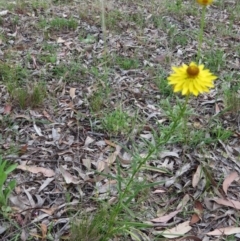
x=117, y=122
x=214, y=59
x=232, y=100
x=127, y=63
x=96, y=101
x=58, y=24
x=70, y=72
x=112, y=20
x=6, y=188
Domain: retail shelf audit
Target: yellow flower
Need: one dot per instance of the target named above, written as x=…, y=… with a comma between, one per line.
x=205, y=2
x=192, y=79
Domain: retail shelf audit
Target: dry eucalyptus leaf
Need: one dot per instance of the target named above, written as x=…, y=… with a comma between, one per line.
x=68, y=177
x=197, y=176
x=228, y=202
x=88, y=141
x=38, y=130
x=184, y=201
x=224, y=231
x=34, y=169
x=228, y=180
x=72, y=92
x=166, y=218
x=175, y=232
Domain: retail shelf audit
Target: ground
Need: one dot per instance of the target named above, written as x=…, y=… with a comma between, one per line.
x=97, y=144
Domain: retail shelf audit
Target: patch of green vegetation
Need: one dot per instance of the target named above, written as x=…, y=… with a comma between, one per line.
x=206, y=137
x=23, y=94
x=214, y=59
x=89, y=39
x=48, y=58
x=51, y=48
x=6, y=187
x=96, y=101
x=179, y=38
x=110, y=221
x=70, y=72
x=40, y=4
x=162, y=83
x=113, y=18
x=30, y=96
x=160, y=22
x=137, y=18
x=232, y=100
x=58, y=24
x=127, y=63
x=117, y=122
x=11, y=74
x=180, y=9
x=90, y=227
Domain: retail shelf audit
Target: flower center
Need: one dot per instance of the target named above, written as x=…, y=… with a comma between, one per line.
x=192, y=70
x=204, y=2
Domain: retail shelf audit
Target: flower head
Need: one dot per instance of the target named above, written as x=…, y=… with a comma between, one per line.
x=205, y=2
x=191, y=79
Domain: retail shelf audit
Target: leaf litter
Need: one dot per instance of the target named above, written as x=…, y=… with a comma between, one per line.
x=68, y=153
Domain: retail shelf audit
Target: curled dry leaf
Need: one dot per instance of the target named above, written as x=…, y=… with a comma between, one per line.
x=88, y=141
x=159, y=191
x=184, y=201
x=228, y=180
x=224, y=231
x=34, y=169
x=7, y=109
x=68, y=177
x=3, y=13
x=165, y=218
x=72, y=92
x=44, y=231
x=194, y=219
x=168, y=153
x=198, y=208
x=197, y=176
x=38, y=130
x=175, y=232
x=110, y=160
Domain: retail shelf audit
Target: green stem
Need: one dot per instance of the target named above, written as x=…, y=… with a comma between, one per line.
x=200, y=36
x=166, y=138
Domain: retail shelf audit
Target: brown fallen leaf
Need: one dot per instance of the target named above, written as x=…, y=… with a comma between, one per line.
x=165, y=218
x=194, y=219
x=224, y=231
x=34, y=169
x=198, y=208
x=108, y=142
x=228, y=180
x=47, y=116
x=228, y=202
x=23, y=150
x=7, y=109
x=175, y=232
x=110, y=160
x=44, y=231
